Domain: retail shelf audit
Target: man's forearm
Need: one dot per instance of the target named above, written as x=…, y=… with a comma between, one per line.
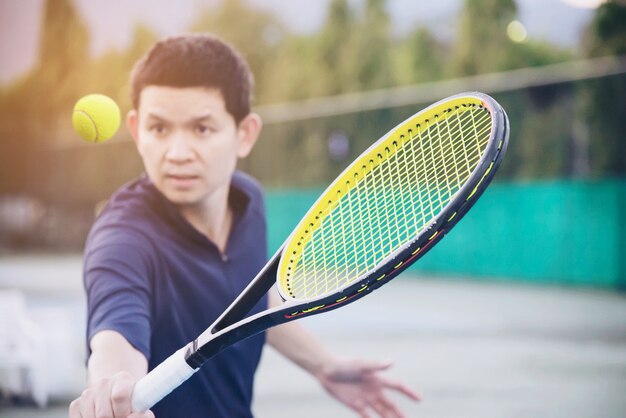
x=112, y=353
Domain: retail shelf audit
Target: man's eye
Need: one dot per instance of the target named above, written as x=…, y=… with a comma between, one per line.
x=158, y=128
x=202, y=129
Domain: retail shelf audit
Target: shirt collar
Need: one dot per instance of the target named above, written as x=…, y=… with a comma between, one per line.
x=239, y=200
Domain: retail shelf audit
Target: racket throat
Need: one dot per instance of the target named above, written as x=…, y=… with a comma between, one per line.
x=255, y=291
x=208, y=345
x=193, y=357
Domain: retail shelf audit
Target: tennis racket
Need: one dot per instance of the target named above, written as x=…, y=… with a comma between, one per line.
x=385, y=211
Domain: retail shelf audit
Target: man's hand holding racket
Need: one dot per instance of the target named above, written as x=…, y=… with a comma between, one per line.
x=109, y=391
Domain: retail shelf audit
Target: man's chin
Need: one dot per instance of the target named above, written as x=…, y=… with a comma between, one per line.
x=181, y=197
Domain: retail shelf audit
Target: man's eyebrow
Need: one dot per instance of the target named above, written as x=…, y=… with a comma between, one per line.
x=206, y=116
x=155, y=116
x=195, y=119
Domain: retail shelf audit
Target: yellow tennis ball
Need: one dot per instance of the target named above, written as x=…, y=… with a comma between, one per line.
x=96, y=117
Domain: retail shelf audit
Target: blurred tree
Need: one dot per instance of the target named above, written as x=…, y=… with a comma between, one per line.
x=420, y=58
x=352, y=52
x=369, y=56
x=15, y=144
x=64, y=43
x=312, y=65
x=294, y=74
x=605, y=107
x=540, y=122
x=482, y=44
x=110, y=73
x=336, y=31
x=606, y=34
x=31, y=109
x=255, y=33
x=332, y=45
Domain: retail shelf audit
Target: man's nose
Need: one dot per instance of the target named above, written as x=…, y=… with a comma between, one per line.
x=179, y=149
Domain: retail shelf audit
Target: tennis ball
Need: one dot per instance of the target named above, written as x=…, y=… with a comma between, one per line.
x=96, y=117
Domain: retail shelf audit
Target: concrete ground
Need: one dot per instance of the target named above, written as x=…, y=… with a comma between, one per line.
x=471, y=349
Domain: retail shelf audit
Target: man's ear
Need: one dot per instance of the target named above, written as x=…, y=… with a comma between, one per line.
x=248, y=130
x=132, y=122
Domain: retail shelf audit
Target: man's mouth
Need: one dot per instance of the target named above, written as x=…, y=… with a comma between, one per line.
x=181, y=176
x=181, y=181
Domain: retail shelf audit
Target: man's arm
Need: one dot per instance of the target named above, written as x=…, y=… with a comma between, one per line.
x=113, y=368
x=111, y=353
x=356, y=383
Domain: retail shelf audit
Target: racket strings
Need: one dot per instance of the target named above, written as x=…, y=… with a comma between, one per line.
x=392, y=200
x=377, y=213
x=362, y=249
x=364, y=197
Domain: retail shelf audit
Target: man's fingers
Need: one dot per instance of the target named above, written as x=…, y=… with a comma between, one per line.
x=102, y=400
x=74, y=409
x=86, y=404
x=108, y=398
x=382, y=410
x=376, y=367
x=147, y=414
x=362, y=411
x=358, y=369
x=390, y=409
x=121, y=392
x=399, y=387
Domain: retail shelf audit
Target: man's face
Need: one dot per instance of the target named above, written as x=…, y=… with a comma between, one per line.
x=189, y=142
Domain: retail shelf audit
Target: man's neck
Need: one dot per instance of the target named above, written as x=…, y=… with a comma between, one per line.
x=212, y=218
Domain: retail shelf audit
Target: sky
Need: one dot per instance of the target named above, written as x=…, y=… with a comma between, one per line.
x=111, y=23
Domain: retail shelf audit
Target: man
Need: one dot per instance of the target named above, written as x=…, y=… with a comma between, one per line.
x=172, y=249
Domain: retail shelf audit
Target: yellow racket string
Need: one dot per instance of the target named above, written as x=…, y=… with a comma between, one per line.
x=392, y=199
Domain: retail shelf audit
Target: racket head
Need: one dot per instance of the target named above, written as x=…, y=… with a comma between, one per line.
x=453, y=118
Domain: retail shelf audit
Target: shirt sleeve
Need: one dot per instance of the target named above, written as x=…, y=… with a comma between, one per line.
x=117, y=276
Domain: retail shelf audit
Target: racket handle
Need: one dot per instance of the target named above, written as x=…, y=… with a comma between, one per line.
x=166, y=377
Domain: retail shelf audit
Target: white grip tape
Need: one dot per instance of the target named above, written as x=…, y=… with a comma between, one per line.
x=166, y=377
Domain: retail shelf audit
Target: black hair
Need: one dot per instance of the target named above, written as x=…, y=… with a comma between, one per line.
x=196, y=60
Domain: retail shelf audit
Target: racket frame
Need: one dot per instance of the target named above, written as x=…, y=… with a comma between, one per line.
x=224, y=329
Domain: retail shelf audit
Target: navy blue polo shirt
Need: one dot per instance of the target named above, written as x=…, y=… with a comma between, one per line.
x=155, y=279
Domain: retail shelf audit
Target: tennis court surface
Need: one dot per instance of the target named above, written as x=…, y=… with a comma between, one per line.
x=470, y=348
